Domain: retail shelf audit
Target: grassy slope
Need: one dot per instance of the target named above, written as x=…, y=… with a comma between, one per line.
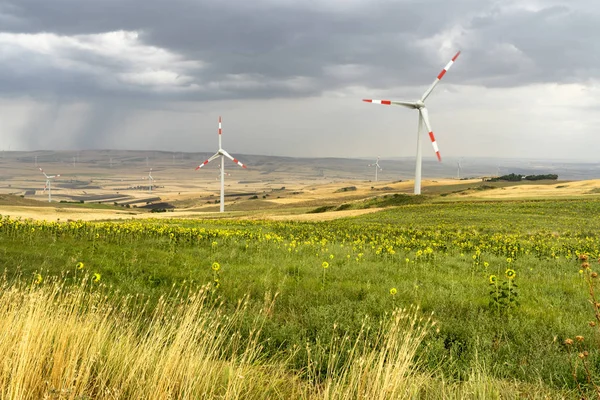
x=526, y=345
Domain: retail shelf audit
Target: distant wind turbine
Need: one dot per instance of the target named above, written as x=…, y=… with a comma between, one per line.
x=48, y=184
x=150, y=180
x=226, y=174
x=221, y=153
x=377, y=167
x=423, y=118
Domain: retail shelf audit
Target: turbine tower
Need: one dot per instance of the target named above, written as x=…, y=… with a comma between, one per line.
x=377, y=167
x=221, y=153
x=47, y=185
x=423, y=119
x=459, y=168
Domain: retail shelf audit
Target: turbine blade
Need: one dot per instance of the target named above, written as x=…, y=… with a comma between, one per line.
x=235, y=160
x=207, y=161
x=40, y=168
x=439, y=77
x=408, y=104
x=425, y=115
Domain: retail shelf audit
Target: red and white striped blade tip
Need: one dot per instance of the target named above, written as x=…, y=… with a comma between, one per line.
x=435, y=146
x=201, y=165
x=447, y=67
x=235, y=160
x=384, y=102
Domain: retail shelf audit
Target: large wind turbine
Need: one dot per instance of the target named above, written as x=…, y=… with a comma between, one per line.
x=47, y=186
x=377, y=167
x=423, y=118
x=221, y=153
x=459, y=168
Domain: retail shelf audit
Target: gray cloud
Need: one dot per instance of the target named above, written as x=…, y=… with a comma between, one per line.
x=293, y=49
x=97, y=64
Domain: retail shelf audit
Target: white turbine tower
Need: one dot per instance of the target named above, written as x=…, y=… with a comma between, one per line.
x=47, y=185
x=423, y=118
x=459, y=166
x=377, y=167
x=221, y=153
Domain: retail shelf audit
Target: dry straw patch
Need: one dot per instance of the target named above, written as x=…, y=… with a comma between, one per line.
x=74, y=343
x=59, y=343
x=77, y=343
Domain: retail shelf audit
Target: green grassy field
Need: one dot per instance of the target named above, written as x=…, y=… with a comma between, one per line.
x=439, y=256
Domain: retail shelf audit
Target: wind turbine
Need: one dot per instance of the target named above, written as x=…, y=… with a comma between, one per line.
x=423, y=118
x=221, y=153
x=226, y=173
x=47, y=185
x=459, y=167
x=376, y=165
x=150, y=180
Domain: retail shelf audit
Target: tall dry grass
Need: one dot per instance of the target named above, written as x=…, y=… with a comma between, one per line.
x=61, y=342
x=379, y=366
x=76, y=343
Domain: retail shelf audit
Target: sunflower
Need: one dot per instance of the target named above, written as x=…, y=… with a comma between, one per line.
x=510, y=273
x=216, y=266
x=493, y=279
x=38, y=279
x=393, y=291
x=79, y=265
x=96, y=277
x=325, y=265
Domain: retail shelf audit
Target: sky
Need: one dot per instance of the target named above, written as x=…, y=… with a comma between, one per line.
x=288, y=76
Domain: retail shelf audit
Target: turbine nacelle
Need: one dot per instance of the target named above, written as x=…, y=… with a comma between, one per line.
x=419, y=104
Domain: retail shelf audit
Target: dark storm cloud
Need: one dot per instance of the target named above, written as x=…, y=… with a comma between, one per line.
x=264, y=49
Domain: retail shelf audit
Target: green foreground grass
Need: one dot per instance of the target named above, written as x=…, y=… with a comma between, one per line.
x=338, y=281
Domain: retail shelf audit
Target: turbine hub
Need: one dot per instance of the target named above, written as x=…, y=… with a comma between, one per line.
x=419, y=104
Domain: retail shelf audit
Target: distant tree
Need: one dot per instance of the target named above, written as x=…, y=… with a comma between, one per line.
x=518, y=177
x=540, y=177
x=509, y=177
